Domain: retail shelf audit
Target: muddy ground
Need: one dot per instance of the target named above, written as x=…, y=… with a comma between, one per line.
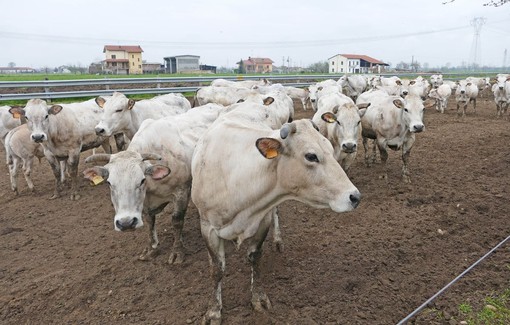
x=61, y=262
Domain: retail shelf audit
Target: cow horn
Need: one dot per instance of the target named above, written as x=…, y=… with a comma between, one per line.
x=151, y=156
x=287, y=129
x=100, y=157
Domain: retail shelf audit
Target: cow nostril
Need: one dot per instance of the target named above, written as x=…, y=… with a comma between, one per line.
x=99, y=131
x=355, y=199
x=119, y=225
x=133, y=223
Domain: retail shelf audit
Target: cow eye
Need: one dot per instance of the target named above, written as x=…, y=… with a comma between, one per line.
x=143, y=181
x=46, y=117
x=311, y=157
x=406, y=110
x=359, y=122
x=119, y=110
x=107, y=182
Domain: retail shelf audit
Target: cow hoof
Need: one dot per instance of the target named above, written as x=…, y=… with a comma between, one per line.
x=148, y=254
x=212, y=317
x=260, y=302
x=279, y=246
x=176, y=257
x=75, y=197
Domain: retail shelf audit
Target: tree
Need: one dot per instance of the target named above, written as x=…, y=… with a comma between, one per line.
x=491, y=3
x=11, y=64
x=241, y=67
x=320, y=67
x=402, y=66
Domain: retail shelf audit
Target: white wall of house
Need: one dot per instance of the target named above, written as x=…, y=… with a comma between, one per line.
x=338, y=64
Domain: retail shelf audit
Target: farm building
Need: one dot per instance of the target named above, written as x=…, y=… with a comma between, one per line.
x=122, y=59
x=256, y=65
x=11, y=70
x=152, y=67
x=182, y=63
x=355, y=63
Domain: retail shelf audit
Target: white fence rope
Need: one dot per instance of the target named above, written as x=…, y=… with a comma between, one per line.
x=417, y=310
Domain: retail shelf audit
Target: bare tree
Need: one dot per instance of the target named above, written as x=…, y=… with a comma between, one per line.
x=321, y=67
x=491, y=3
x=11, y=64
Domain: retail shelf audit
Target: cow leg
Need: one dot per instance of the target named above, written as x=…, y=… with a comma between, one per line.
x=106, y=146
x=55, y=168
x=365, y=146
x=277, y=235
x=120, y=142
x=151, y=251
x=27, y=168
x=384, y=157
x=13, y=173
x=474, y=105
x=216, y=249
x=73, y=162
x=406, y=151
x=259, y=299
x=179, y=211
x=370, y=158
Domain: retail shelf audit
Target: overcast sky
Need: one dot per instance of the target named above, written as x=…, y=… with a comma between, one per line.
x=51, y=33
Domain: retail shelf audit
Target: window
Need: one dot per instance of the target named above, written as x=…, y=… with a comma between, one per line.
x=132, y=56
x=342, y=70
x=138, y=59
x=139, y=66
x=341, y=62
x=133, y=64
x=114, y=64
x=114, y=56
x=333, y=70
x=333, y=63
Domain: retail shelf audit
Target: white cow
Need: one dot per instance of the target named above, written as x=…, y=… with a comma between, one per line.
x=64, y=131
x=313, y=89
x=20, y=150
x=393, y=123
x=138, y=187
x=451, y=83
x=338, y=119
x=466, y=92
x=295, y=162
x=300, y=94
x=7, y=122
x=353, y=85
x=240, y=84
x=280, y=106
x=441, y=95
x=481, y=83
x=501, y=90
x=124, y=115
x=221, y=95
x=436, y=80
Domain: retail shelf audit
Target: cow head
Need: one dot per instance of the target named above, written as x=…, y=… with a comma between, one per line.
x=412, y=112
x=345, y=122
x=116, y=116
x=307, y=169
x=38, y=115
x=129, y=175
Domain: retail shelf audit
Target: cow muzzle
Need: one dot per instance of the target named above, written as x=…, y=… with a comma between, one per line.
x=418, y=128
x=127, y=224
x=100, y=131
x=38, y=138
x=349, y=147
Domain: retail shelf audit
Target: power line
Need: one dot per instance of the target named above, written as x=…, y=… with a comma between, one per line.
x=243, y=44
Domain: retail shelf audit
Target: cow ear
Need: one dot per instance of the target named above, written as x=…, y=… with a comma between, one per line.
x=269, y=147
x=398, y=103
x=398, y=82
x=100, y=101
x=55, y=109
x=320, y=88
x=429, y=103
x=240, y=101
x=157, y=172
x=96, y=175
x=328, y=117
x=17, y=112
x=362, y=112
x=268, y=101
x=468, y=84
x=412, y=82
x=363, y=105
x=131, y=103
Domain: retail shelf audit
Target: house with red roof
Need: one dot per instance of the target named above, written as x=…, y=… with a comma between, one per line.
x=122, y=59
x=355, y=63
x=256, y=65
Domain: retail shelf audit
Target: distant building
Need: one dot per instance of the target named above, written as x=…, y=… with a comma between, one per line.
x=153, y=67
x=355, y=63
x=256, y=65
x=182, y=63
x=208, y=68
x=122, y=59
x=96, y=68
x=11, y=70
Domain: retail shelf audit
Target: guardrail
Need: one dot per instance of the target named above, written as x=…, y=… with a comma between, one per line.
x=49, y=85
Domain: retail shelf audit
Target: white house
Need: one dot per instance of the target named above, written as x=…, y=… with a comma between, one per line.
x=355, y=63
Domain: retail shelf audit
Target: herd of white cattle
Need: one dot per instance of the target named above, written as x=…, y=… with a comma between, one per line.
x=237, y=154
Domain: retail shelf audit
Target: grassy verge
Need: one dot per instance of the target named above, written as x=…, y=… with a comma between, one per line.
x=495, y=310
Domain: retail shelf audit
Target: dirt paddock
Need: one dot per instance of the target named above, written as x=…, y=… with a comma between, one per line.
x=61, y=262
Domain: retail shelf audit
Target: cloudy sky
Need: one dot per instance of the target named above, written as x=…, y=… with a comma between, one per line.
x=50, y=33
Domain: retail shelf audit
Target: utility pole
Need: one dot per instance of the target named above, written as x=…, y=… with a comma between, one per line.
x=476, y=46
x=504, y=59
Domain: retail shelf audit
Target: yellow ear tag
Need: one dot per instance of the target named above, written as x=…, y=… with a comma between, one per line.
x=16, y=115
x=97, y=180
x=331, y=120
x=271, y=153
